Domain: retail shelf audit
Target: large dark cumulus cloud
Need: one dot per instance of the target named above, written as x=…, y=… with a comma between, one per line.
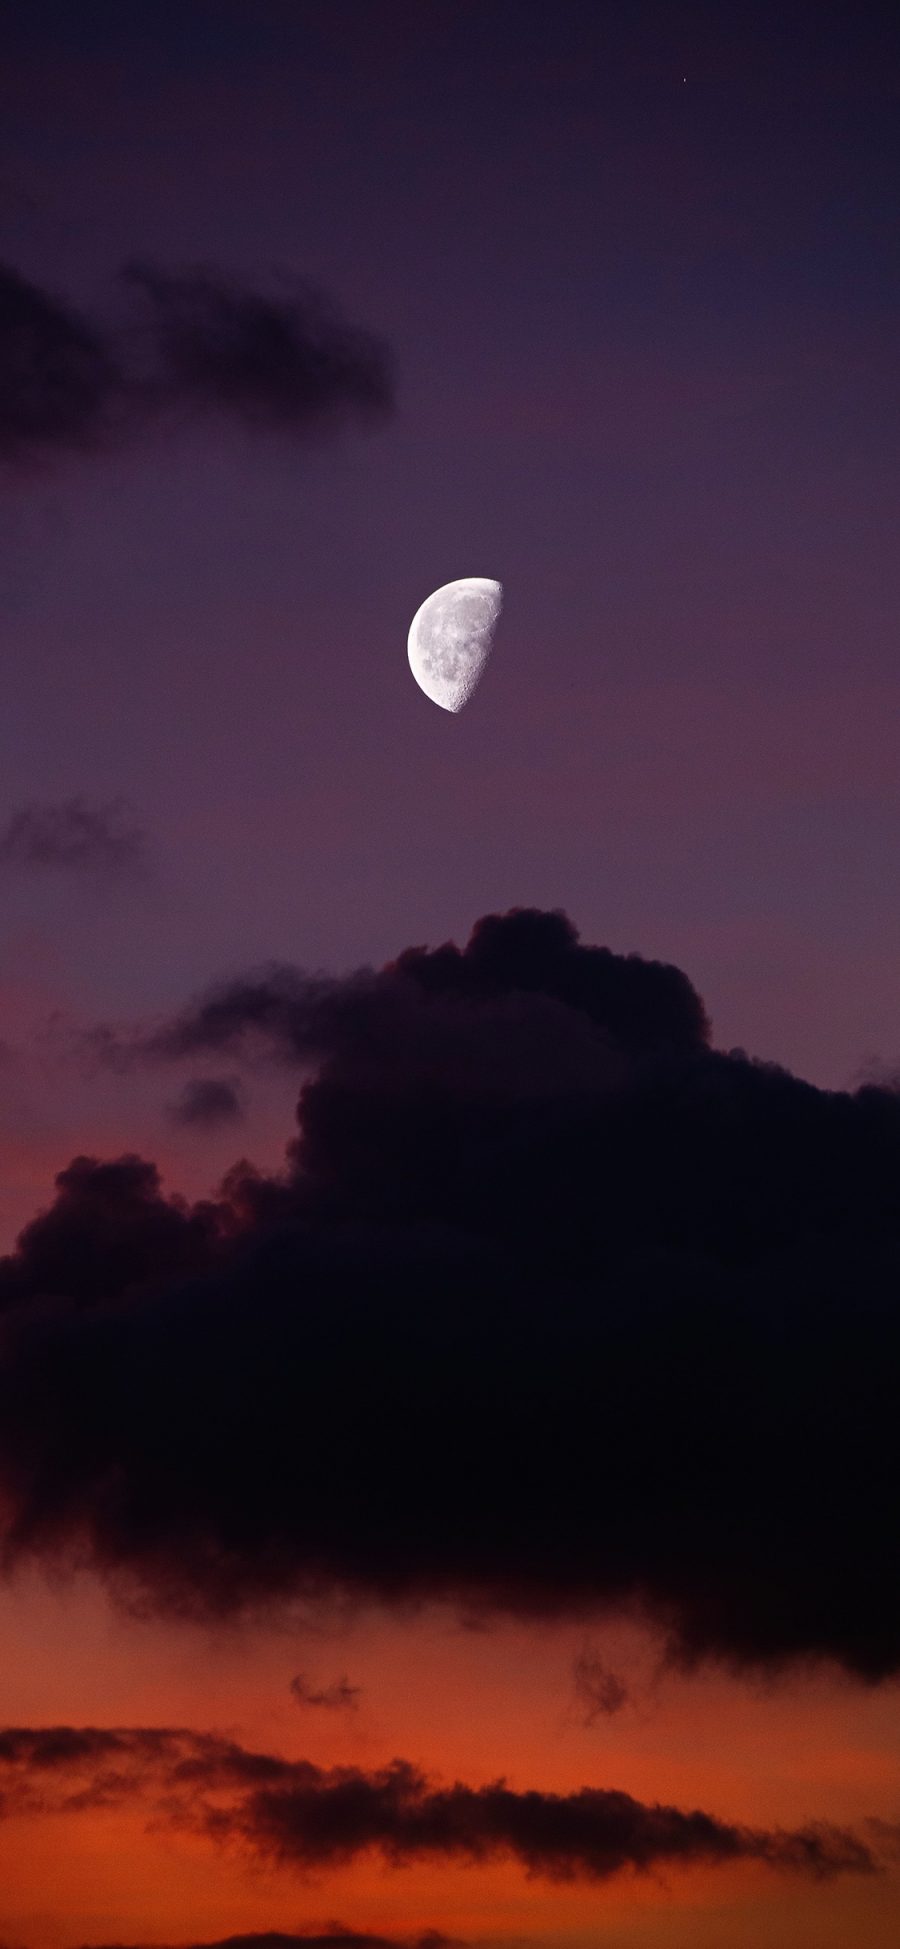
x=195, y=341
x=554, y=1308
x=310, y=1816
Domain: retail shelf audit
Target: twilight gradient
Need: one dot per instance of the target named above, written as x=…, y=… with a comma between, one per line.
x=636, y=271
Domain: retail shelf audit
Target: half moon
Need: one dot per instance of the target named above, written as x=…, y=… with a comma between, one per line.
x=450, y=639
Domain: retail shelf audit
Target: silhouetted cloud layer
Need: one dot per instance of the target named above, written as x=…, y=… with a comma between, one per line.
x=309, y=1816
x=76, y=836
x=554, y=1308
x=197, y=341
x=334, y=1937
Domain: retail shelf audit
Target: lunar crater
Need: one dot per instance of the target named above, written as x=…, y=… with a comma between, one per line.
x=450, y=639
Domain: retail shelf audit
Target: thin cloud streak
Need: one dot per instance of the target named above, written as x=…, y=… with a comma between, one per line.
x=333, y=1936
x=307, y=1816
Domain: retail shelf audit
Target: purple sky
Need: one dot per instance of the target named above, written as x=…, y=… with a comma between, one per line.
x=638, y=271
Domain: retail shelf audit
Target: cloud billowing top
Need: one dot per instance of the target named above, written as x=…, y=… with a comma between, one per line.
x=554, y=1308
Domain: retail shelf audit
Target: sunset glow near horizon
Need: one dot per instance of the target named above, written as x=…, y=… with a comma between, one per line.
x=448, y=1158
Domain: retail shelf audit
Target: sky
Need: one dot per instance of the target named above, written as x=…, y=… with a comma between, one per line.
x=449, y=1438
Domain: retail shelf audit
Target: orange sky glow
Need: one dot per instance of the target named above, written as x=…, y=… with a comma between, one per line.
x=464, y=1703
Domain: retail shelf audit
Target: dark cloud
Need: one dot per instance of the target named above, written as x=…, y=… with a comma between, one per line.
x=554, y=1309
x=340, y=1696
x=208, y=1102
x=308, y=1816
x=333, y=1936
x=194, y=342
x=109, y=1229
x=638, y=1006
x=59, y=377
x=76, y=836
x=885, y=1837
x=599, y=1692
x=288, y=363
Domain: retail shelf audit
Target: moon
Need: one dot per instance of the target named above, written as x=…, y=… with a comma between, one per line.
x=450, y=639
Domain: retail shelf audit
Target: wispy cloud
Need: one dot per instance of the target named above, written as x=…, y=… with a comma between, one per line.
x=59, y=376
x=196, y=342
x=208, y=1103
x=76, y=836
x=340, y=1696
x=599, y=1691
x=285, y=361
